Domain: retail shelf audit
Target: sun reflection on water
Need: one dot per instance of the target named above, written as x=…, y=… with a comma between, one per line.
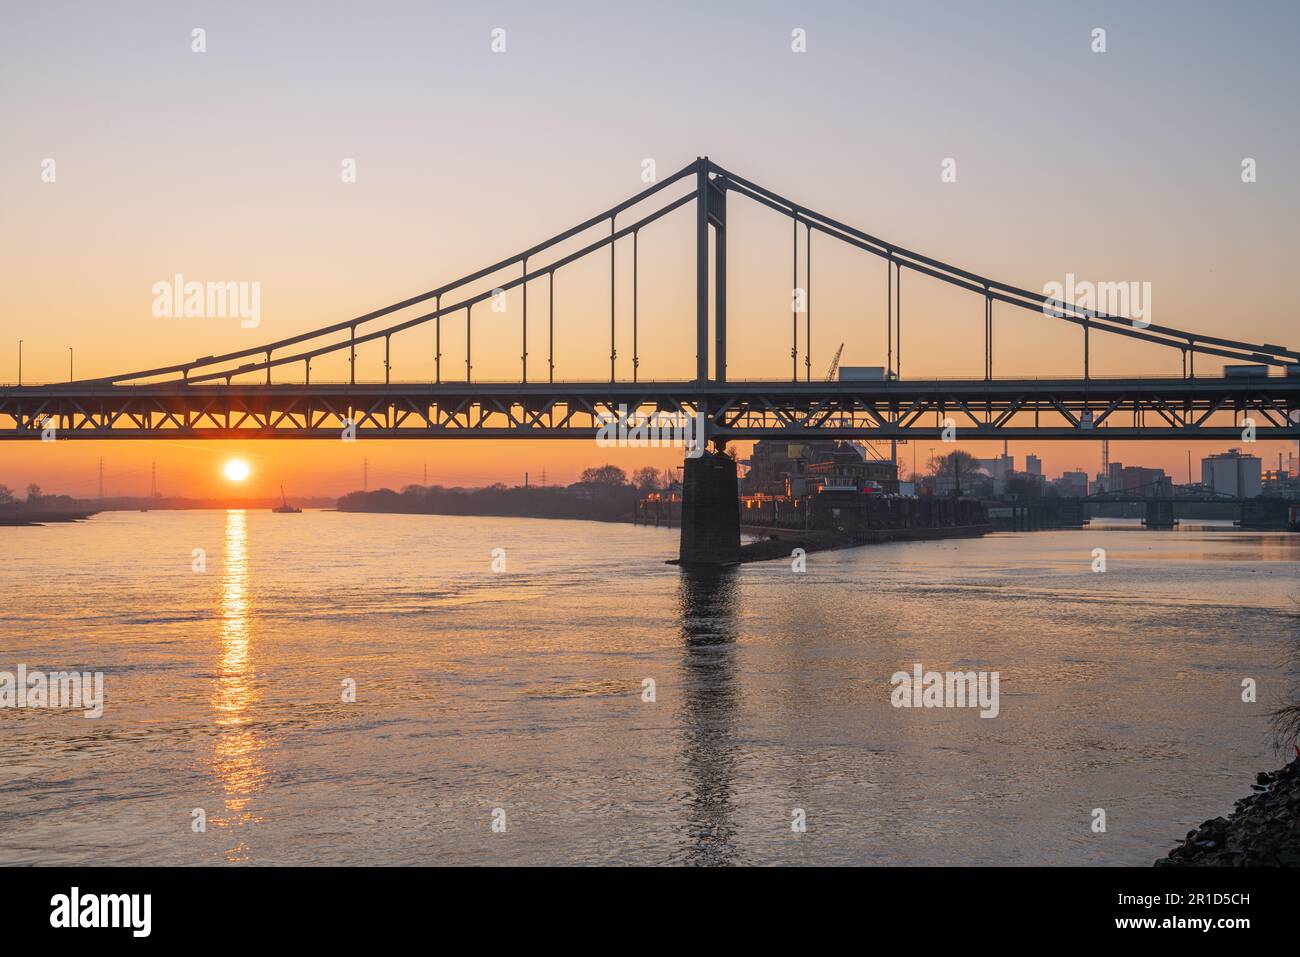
x=237, y=758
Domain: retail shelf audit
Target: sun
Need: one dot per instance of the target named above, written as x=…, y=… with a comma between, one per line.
x=236, y=470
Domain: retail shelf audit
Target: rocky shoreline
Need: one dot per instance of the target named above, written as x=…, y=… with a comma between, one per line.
x=767, y=549
x=781, y=543
x=1262, y=831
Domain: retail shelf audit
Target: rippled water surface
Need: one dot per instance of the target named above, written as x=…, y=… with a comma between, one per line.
x=522, y=691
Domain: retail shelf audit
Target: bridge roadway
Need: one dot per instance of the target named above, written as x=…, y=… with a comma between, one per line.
x=1074, y=409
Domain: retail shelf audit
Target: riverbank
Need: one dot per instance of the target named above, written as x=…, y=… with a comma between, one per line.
x=1262, y=831
x=39, y=517
x=781, y=543
x=820, y=541
x=589, y=501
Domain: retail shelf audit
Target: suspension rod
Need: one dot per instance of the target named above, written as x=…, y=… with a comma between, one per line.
x=523, y=359
x=636, y=357
x=898, y=308
x=612, y=351
x=889, y=316
x=794, y=298
x=807, y=306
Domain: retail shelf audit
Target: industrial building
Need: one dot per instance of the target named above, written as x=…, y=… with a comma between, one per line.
x=795, y=469
x=1232, y=473
x=1137, y=478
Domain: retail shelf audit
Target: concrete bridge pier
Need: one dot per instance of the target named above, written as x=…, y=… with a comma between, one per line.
x=1160, y=513
x=710, y=510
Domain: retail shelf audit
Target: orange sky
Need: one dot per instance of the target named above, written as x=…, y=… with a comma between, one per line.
x=225, y=165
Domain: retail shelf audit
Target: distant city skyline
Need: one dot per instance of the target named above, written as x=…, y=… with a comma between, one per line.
x=263, y=483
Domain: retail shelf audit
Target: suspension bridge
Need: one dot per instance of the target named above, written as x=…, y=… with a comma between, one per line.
x=267, y=392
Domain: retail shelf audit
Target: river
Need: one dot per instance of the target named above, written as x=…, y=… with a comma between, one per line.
x=502, y=667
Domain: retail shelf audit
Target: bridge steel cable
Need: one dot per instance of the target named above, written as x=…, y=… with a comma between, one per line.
x=636, y=355
x=988, y=336
x=185, y=369
x=807, y=313
x=453, y=297
x=523, y=358
x=1005, y=292
x=466, y=304
x=1087, y=352
x=898, y=311
x=795, y=298
x=613, y=352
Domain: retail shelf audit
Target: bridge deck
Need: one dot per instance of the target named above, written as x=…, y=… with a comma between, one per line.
x=1081, y=409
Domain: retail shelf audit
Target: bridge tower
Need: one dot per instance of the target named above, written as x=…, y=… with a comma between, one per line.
x=710, y=533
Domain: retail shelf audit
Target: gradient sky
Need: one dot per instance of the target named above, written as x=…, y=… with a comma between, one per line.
x=226, y=165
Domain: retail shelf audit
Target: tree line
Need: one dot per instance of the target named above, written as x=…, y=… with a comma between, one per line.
x=602, y=493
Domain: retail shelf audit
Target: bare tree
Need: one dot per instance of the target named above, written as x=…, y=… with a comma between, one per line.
x=646, y=479
x=605, y=475
x=957, y=465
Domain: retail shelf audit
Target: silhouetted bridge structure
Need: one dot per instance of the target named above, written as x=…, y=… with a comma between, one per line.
x=1159, y=499
x=267, y=391
x=1166, y=491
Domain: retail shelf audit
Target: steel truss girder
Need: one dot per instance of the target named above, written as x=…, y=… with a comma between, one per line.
x=1000, y=409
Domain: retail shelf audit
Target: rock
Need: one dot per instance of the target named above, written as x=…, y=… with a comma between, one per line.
x=1262, y=831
